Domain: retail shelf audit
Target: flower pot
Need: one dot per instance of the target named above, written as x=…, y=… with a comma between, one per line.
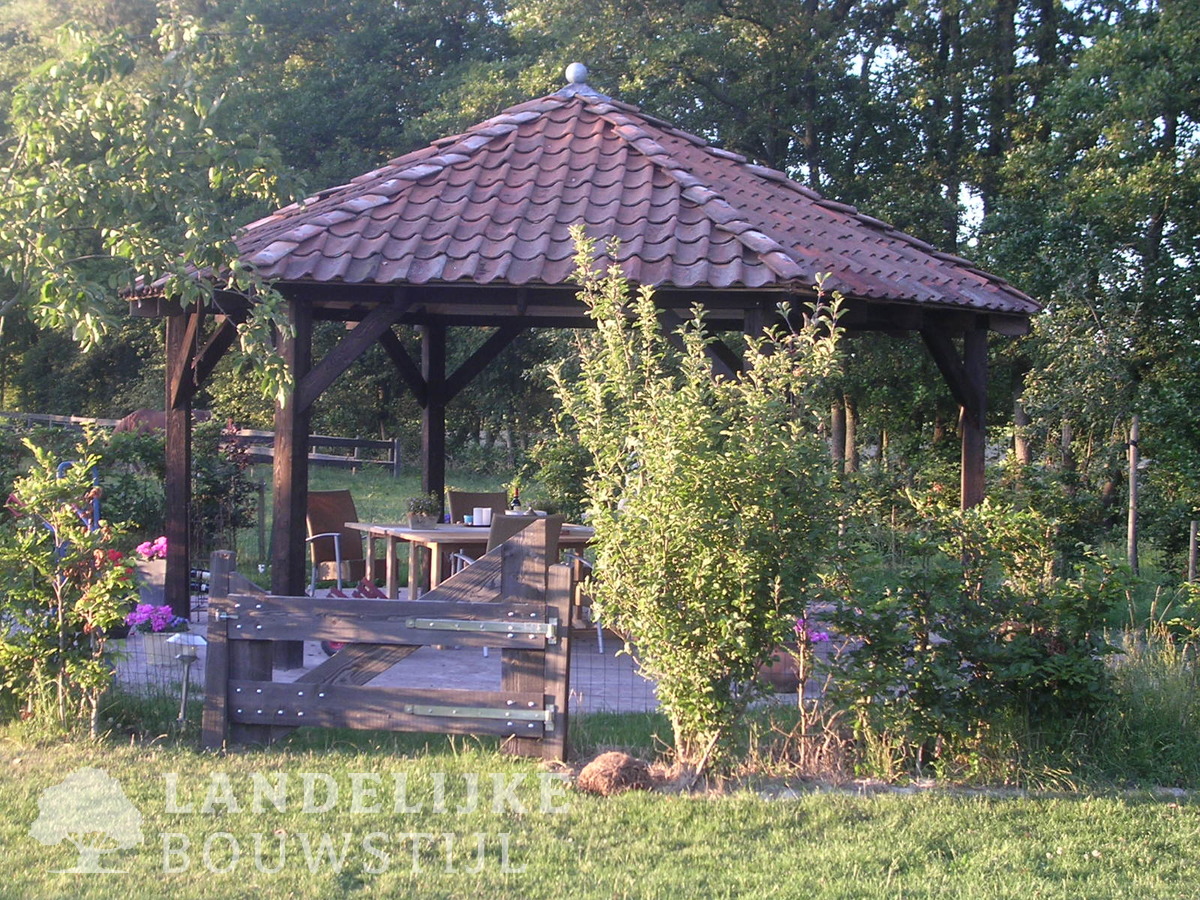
x=421, y=520
x=158, y=651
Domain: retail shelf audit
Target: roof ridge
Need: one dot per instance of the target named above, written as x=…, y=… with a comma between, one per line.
x=720, y=211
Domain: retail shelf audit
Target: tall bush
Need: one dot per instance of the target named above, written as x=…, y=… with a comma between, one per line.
x=62, y=584
x=965, y=626
x=708, y=496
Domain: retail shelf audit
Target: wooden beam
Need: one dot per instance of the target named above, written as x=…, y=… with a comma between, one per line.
x=181, y=385
x=724, y=361
x=478, y=361
x=374, y=324
x=945, y=355
x=181, y=334
x=291, y=477
x=214, y=349
x=409, y=371
x=966, y=376
x=973, y=419
x=433, y=413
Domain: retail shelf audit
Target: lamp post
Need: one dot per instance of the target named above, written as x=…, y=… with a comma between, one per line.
x=189, y=646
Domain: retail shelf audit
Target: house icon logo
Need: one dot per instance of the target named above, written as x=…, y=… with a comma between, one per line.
x=89, y=810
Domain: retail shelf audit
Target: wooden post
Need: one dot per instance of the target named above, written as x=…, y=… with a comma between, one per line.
x=851, y=454
x=214, y=728
x=291, y=477
x=837, y=435
x=433, y=413
x=966, y=376
x=1022, y=450
x=1131, y=535
x=262, y=520
x=180, y=346
x=973, y=418
x=557, y=672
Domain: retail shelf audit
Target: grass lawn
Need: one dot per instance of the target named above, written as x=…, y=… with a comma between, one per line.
x=362, y=815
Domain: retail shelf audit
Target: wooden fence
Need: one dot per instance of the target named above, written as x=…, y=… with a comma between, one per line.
x=508, y=600
x=349, y=453
x=261, y=450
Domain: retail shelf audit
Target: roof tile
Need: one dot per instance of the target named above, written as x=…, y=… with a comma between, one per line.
x=493, y=205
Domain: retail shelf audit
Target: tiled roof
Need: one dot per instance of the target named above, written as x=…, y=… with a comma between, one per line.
x=492, y=206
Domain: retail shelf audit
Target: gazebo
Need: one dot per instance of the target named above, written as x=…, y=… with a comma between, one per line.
x=472, y=231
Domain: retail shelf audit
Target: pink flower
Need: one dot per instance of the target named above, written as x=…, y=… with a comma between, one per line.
x=155, y=549
x=149, y=618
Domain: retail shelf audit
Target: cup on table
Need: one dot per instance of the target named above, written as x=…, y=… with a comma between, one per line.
x=468, y=520
x=483, y=515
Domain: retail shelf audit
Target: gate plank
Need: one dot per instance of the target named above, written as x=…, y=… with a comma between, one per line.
x=269, y=617
x=264, y=704
x=507, y=585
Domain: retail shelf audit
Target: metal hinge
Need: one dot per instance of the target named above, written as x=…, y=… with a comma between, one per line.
x=547, y=629
x=545, y=716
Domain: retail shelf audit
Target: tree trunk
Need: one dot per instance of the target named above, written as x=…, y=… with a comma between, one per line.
x=1131, y=536
x=1068, y=455
x=1022, y=451
x=837, y=434
x=850, y=454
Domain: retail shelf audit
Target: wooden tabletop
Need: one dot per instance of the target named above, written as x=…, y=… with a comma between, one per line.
x=450, y=534
x=436, y=541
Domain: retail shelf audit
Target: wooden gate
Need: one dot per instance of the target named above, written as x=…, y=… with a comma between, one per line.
x=508, y=600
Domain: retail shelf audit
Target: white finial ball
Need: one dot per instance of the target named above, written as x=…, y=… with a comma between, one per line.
x=577, y=73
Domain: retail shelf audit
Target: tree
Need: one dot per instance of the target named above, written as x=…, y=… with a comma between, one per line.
x=1099, y=210
x=126, y=170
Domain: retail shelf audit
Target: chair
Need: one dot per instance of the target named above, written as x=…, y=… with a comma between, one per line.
x=337, y=551
x=505, y=527
x=581, y=567
x=463, y=503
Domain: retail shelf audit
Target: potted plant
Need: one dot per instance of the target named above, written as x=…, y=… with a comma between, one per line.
x=423, y=510
x=156, y=624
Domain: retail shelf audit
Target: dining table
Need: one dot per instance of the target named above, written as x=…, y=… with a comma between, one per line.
x=430, y=549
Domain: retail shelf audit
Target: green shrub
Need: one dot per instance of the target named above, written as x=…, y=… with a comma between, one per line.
x=965, y=627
